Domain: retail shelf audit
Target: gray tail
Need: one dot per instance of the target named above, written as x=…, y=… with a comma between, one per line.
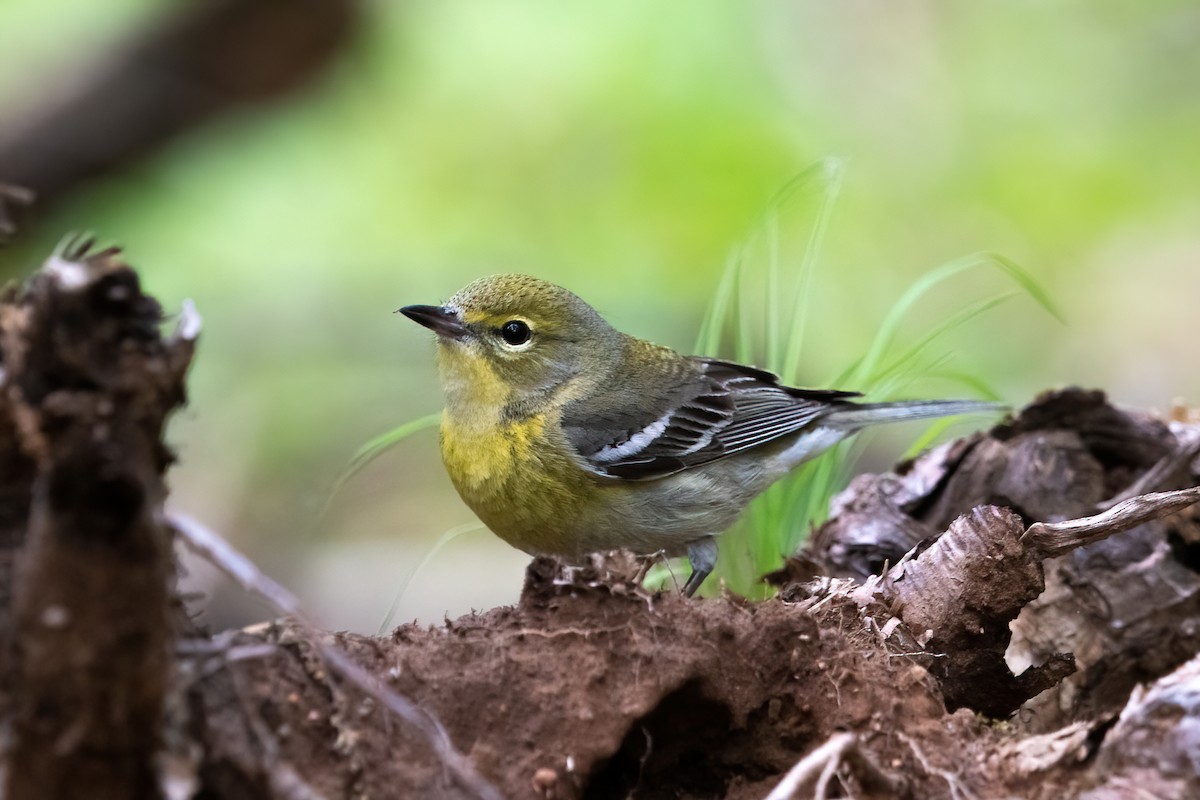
x=853, y=417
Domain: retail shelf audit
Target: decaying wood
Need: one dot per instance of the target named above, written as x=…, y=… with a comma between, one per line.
x=960, y=596
x=1039, y=573
x=1123, y=605
x=88, y=383
x=965, y=590
x=1154, y=743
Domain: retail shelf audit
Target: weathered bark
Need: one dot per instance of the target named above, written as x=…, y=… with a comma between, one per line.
x=88, y=383
x=959, y=596
x=1127, y=608
x=1154, y=743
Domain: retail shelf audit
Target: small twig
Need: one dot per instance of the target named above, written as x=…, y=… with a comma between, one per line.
x=957, y=790
x=214, y=549
x=1055, y=538
x=822, y=790
x=822, y=764
x=872, y=776
x=812, y=765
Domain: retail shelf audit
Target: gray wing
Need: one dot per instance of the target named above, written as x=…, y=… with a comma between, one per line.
x=712, y=410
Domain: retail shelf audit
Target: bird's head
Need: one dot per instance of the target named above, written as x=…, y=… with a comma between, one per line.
x=510, y=340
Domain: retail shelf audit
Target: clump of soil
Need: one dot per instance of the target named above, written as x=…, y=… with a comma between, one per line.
x=593, y=688
x=1013, y=614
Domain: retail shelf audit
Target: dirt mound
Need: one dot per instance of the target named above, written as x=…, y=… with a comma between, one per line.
x=593, y=688
x=1014, y=614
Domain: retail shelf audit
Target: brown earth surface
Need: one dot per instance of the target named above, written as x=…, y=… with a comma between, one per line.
x=1015, y=614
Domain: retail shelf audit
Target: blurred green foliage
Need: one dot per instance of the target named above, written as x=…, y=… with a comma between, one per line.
x=622, y=149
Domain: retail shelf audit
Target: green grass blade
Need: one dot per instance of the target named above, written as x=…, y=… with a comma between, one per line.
x=772, y=334
x=972, y=383
x=930, y=435
x=733, y=297
x=459, y=530
x=385, y=441
x=898, y=312
x=743, y=337
x=778, y=521
x=712, y=327
x=1027, y=282
x=910, y=356
x=376, y=447
x=832, y=176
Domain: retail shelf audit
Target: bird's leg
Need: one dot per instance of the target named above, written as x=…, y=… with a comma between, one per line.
x=702, y=555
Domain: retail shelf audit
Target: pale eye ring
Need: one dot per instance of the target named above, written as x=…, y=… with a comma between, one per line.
x=515, y=332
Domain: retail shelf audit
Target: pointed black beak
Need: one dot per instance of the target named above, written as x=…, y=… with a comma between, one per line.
x=439, y=319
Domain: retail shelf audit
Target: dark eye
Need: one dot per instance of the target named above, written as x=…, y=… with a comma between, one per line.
x=515, y=332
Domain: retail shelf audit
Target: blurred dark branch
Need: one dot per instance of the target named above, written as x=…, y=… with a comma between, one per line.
x=13, y=199
x=205, y=60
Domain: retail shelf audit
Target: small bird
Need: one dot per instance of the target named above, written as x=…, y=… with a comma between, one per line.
x=567, y=437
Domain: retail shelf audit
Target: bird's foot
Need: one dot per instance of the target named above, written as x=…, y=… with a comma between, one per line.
x=702, y=555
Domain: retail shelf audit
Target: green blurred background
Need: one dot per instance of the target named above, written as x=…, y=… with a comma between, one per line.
x=622, y=149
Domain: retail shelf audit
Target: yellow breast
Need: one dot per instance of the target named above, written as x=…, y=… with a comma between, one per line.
x=527, y=491
x=483, y=460
x=517, y=475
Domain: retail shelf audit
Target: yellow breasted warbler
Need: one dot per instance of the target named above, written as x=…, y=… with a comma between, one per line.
x=567, y=437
